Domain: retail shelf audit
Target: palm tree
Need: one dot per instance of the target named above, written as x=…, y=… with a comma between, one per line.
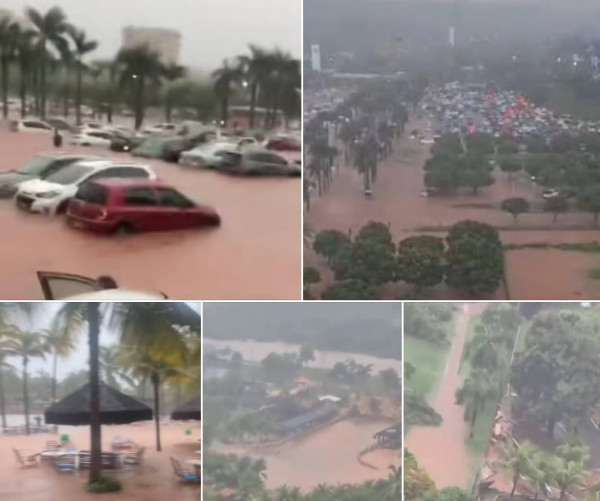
x=9, y=36
x=60, y=342
x=395, y=483
x=157, y=366
x=141, y=66
x=27, y=345
x=567, y=474
x=477, y=390
x=151, y=327
x=519, y=459
x=6, y=350
x=171, y=73
x=110, y=71
x=27, y=57
x=82, y=46
x=223, y=80
x=51, y=27
x=255, y=70
x=573, y=451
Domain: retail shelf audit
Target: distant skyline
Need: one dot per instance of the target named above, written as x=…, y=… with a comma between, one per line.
x=211, y=30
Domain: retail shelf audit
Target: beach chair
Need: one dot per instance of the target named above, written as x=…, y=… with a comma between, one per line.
x=134, y=457
x=84, y=460
x=179, y=472
x=66, y=463
x=28, y=460
x=110, y=461
x=198, y=472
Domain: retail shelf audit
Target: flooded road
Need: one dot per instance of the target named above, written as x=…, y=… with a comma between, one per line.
x=327, y=456
x=255, y=351
x=425, y=442
x=397, y=200
x=255, y=254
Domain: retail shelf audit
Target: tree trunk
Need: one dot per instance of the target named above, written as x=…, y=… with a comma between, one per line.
x=25, y=395
x=139, y=102
x=2, y=400
x=515, y=480
x=168, y=111
x=155, y=385
x=551, y=425
x=42, y=84
x=23, y=89
x=55, y=361
x=78, y=95
x=473, y=420
x=93, y=318
x=5, y=70
x=253, y=94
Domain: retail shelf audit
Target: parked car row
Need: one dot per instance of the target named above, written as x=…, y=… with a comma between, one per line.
x=102, y=195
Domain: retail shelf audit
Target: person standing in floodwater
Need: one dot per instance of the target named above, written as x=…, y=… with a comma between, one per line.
x=57, y=139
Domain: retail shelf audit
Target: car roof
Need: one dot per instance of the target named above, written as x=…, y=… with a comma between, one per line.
x=139, y=182
x=74, y=156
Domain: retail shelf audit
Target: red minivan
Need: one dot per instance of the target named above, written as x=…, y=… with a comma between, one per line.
x=125, y=206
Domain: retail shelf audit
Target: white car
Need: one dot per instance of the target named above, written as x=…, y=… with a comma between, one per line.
x=164, y=128
x=92, y=138
x=206, y=155
x=30, y=126
x=52, y=194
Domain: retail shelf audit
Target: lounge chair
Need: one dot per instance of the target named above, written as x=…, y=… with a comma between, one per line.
x=27, y=460
x=198, y=472
x=179, y=472
x=134, y=457
x=66, y=463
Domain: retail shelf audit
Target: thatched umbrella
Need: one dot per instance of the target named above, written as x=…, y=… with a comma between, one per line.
x=115, y=408
x=188, y=410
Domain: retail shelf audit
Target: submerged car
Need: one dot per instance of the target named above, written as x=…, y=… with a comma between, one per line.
x=151, y=147
x=206, y=156
x=126, y=206
x=39, y=167
x=52, y=194
x=123, y=141
x=92, y=138
x=258, y=162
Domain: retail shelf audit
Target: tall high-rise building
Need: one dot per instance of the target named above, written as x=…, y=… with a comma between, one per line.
x=164, y=41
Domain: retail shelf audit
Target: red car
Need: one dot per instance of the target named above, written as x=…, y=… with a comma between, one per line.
x=283, y=143
x=125, y=206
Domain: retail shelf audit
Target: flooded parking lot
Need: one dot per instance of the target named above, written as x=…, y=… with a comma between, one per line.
x=255, y=254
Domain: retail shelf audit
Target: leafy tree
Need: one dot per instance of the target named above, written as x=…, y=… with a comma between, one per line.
x=420, y=265
x=444, y=179
x=567, y=474
x=281, y=367
x=307, y=354
x=83, y=46
x=476, y=178
x=589, y=201
x=329, y=243
x=431, y=243
x=552, y=386
x=447, y=494
x=556, y=205
x=473, y=229
x=390, y=380
x=311, y=275
x=377, y=233
x=417, y=483
x=475, y=265
x=224, y=80
x=409, y=370
x=511, y=166
x=515, y=206
x=370, y=261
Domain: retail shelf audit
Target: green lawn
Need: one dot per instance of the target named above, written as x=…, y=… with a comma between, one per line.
x=428, y=359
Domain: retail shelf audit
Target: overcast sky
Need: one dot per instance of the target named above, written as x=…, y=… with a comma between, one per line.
x=211, y=30
x=78, y=359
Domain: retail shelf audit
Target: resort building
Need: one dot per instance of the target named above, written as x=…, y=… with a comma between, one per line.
x=390, y=438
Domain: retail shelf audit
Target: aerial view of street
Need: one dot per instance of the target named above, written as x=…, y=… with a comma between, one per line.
x=453, y=154
x=207, y=135
x=489, y=383
x=299, y=404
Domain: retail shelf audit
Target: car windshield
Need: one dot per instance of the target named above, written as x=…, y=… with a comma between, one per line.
x=36, y=166
x=70, y=174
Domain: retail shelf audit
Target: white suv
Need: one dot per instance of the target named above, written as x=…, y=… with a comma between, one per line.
x=30, y=126
x=52, y=194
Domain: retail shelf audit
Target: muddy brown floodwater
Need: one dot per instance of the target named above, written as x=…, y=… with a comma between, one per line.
x=255, y=254
x=396, y=200
x=426, y=442
x=327, y=456
x=151, y=481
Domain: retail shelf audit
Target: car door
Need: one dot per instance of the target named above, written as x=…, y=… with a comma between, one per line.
x=56, y=285
x=140, y=209
x=177, y=211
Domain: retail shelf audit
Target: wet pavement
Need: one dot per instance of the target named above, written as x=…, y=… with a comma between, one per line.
x=255, y=254
x=442, y=450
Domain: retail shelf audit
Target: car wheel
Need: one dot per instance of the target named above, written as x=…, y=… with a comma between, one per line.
x=124, y=229
x=62, y=207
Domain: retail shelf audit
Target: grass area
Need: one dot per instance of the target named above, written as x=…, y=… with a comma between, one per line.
x=594, y=273
x=591, y=247
x=428, y=359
